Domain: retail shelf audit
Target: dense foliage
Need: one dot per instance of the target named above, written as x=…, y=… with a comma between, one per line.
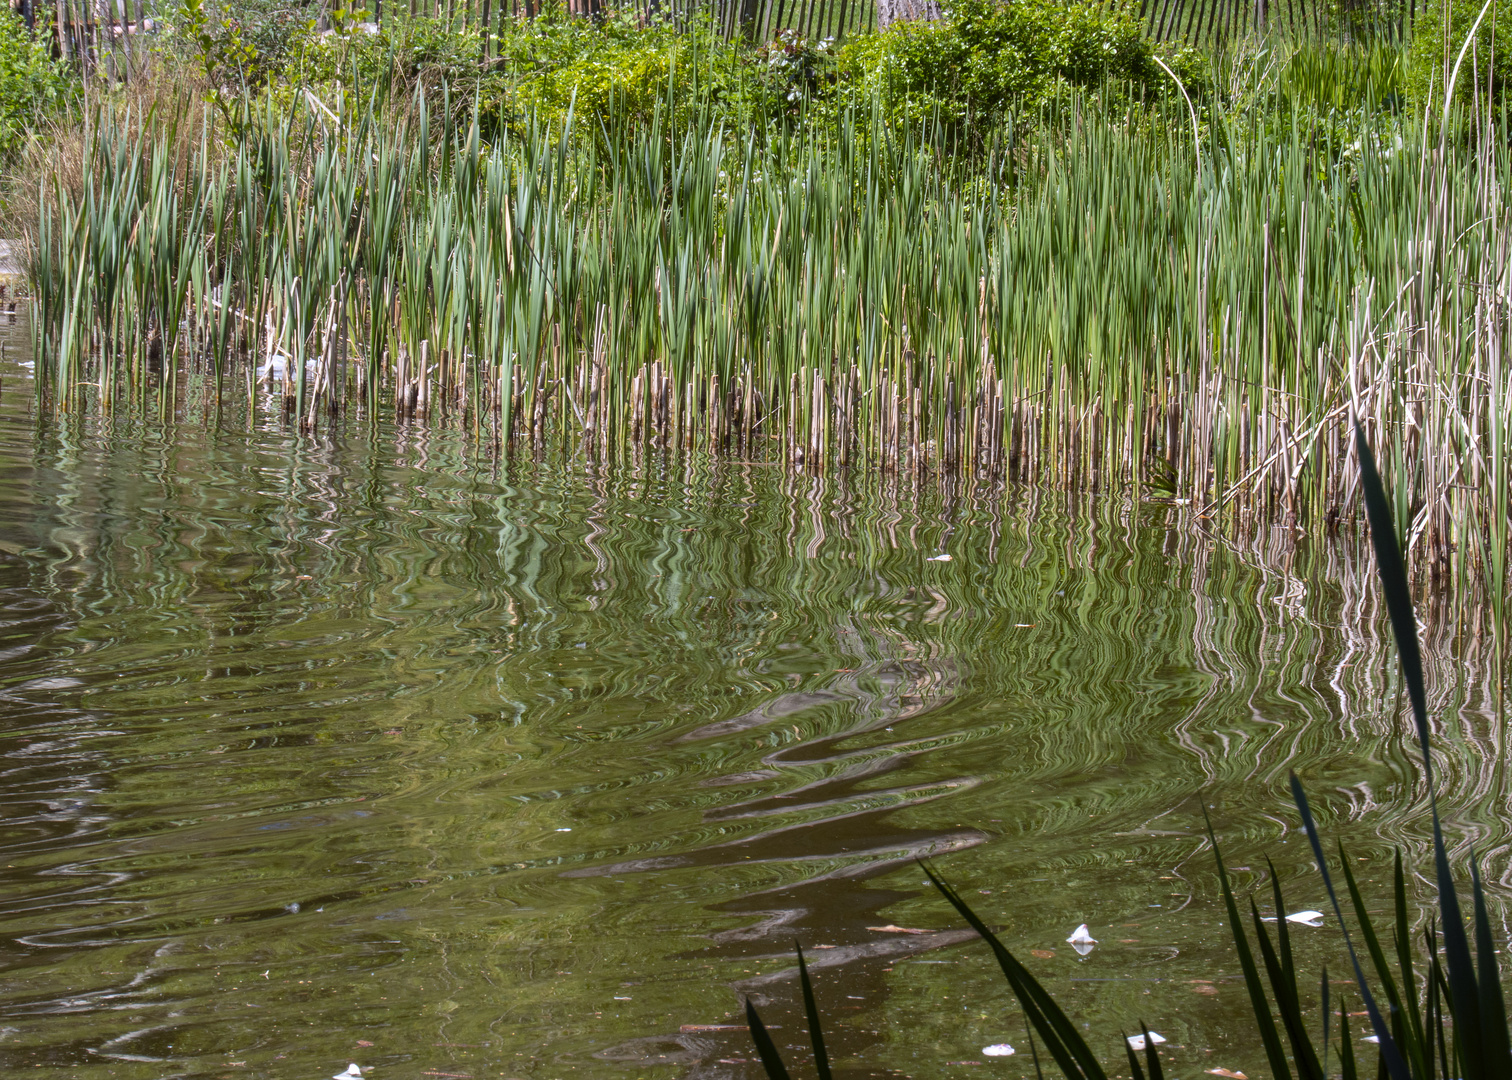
x=1438, y=39
x=967, y=69
x=985, y=57
x=32, y=84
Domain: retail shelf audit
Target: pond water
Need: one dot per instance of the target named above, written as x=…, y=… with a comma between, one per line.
x=369, y=748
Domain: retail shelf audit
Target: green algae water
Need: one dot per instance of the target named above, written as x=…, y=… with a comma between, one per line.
x=372, y=748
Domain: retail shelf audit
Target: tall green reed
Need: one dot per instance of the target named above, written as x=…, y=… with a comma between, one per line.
x=1094, y=303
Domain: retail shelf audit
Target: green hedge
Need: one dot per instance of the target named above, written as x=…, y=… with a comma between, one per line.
x=985, y=56
x=1432, y=54
x=33, y=86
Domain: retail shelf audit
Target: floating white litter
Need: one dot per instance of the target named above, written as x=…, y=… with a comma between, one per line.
x=1304, y=918
x=938, y=558
x=1371, y=1038
x=1137, y=1042
x=1081, y=940
x=998, y=1050
x=353, y=1072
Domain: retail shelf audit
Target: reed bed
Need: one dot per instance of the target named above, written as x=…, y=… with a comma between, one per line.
x=1095, y=302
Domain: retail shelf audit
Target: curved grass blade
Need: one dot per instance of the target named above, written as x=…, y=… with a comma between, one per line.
x=1285, y=991
x=1136, y=1070
x=1152, y=1056
x=1283, y=929
x=1411, y=1043
x=1264, y=1023
x=1438, y=993
x=1347, y=1068
x=811, y=1007
x=1323, y=994
x=1403, y=934
x=1479, y=1049
x=1064, y=1042
x=771, y=1061
x=1391, y=1057
x=1394, y=587
x=1033, y=1051
x=1493, y=1009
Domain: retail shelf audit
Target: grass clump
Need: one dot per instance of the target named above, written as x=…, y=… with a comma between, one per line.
x=1014, y=241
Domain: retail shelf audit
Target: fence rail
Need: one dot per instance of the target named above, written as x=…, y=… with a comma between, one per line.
x=1210, y=22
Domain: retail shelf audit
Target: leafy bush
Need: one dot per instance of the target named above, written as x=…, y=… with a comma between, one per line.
x=245, y=44
x=985, y=55
x=1432, y=54
x=795, y=69
x=405, y=52
x=615, y=70
x=617, y=67
x=32, y=84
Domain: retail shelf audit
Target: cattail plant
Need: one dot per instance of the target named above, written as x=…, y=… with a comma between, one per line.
x=1095, y=302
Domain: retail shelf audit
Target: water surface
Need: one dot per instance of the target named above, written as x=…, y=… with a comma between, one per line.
x=371, y=747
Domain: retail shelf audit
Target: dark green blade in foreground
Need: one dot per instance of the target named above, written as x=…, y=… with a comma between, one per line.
x=1480, y=1019
x=1136, y=1070
x=811, y=1007
x=1394, y=588
x=1064, y=1042
x=1390, y=1056
x=1152, y=1056
x=1264, y=1023
x=770, y=1060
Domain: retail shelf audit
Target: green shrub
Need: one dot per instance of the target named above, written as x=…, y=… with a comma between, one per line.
x=984, y=56
x=240, y=44
x=32, y=84
x=618, y=69
x=1432, y=54
x=406, y=51
x=612, y=71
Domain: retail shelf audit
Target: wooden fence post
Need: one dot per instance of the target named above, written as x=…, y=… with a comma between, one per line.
x=62, y=31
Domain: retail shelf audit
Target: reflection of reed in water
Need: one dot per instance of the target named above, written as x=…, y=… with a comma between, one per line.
x=1323, y=637
x=485, y=653
x=834, y=829
x=828, y=822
